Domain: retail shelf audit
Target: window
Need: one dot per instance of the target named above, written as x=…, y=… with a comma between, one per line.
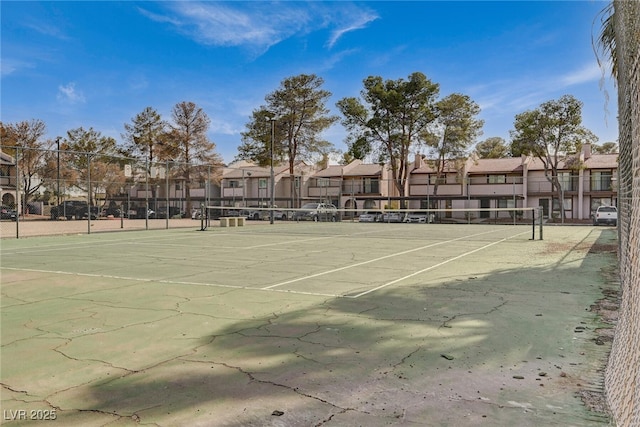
x=262, y=182
x=568, y=204
x=323, y=182
x=371, y=185
x=234, y=183
x=506, y=203
x=601, y=180
x=567, y=181
x=497, y=179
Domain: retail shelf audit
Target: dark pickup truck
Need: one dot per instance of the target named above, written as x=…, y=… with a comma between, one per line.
x=73, y=209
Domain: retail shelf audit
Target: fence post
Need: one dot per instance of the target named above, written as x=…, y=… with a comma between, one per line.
x=88, y=193
x=166, y=177
x=146, y=195
x=18, y=197
x=540, y=212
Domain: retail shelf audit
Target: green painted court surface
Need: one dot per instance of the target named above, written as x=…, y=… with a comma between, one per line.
x=303, y=324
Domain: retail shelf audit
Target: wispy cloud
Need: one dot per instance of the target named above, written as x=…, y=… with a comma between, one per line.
x=11, y=65
x=259, y=25
x=354, y=21
x=69, y=94
x=331, y=61
x=47, y=29
x=588, y=73
x=219, y=24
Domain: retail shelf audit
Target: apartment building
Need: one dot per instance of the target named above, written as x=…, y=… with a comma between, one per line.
x=7, y=180
x=246, y=184
x=587, y=179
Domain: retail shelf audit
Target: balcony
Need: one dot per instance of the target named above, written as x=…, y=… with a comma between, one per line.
x=360, y=188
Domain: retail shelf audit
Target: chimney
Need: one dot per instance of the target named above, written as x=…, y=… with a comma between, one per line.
x=586, y=150
x=418, y=163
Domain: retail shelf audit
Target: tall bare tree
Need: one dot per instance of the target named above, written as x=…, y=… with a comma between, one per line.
x=145, y=137
x=32, y=151
x=188, y=144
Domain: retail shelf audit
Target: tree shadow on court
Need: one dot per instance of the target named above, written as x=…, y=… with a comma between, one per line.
x=390, y=355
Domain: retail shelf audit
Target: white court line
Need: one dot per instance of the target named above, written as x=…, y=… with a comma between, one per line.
x=77, y=245
x=434, y=266
x=170, y=282
x=358, y=264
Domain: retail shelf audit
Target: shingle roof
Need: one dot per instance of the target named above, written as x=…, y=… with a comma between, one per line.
x=425, y=168
x=596, y=161
x=364, y=170
x=496, y=165
x=330, y=171
x=602, y=161
x=255, y=172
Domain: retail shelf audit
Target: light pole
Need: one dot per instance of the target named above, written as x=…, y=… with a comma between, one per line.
x=272, y=184
x=58, y=167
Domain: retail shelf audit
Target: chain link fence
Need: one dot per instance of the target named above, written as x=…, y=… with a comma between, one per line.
x=623, y=371
x=76, y=192
x=60, y=192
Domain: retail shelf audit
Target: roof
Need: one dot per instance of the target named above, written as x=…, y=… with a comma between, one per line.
x=331, y=171
x=6, y=159
x=450, y=167
x=255, y=172
x=602, y=161
x=355, y=168
x=364, y=170
x=596, y=161
x=512, y=164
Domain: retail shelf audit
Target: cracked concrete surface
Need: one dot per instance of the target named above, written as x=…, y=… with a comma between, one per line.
x=477, y=343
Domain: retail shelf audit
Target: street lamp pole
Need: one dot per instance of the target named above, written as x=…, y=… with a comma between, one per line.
x=272, y=183
x=58, y=167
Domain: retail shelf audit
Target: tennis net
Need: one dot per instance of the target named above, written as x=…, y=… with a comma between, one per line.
x=319, y=212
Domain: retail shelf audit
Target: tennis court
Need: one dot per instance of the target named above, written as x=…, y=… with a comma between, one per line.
x=305, y=324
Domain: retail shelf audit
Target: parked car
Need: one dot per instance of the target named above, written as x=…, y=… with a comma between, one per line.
x=196, y=214
x=230, y=212
x=606, y=215
x=256, y=213
x=77, y=209
x=112, y=210
x=419, y=217
x=316, y=212
x=280, y=215
x=139, y=213
x=7, y=212
x=392, y=217
x=174, y=212
x=370, y=216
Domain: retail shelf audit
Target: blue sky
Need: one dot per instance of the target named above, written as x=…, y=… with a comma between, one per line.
x=98, y=64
